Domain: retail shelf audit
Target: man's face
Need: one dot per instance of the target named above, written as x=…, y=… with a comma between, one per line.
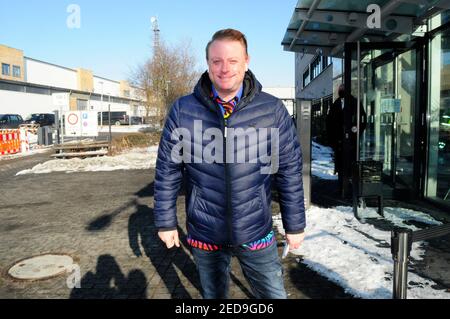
x=227, y=65
x=341, y=91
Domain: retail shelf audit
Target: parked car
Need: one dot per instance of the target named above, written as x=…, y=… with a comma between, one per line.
x=135, y=120
x=10, y=121
x=117, y=118
x=120, y=118
x=43, y=119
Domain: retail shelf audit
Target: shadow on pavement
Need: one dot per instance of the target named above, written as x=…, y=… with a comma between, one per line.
x=144, y=240
x=108, y=282
x=313, y=285
x=143, y=234
x=141, y=226
x=105, y=220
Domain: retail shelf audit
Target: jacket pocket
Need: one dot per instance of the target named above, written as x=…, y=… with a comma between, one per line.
x=264, y=199
x=192, y=200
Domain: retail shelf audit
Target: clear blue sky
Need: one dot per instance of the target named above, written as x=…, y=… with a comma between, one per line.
x=115, y=36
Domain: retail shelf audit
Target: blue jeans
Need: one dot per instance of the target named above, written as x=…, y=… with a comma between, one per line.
x=262, y=269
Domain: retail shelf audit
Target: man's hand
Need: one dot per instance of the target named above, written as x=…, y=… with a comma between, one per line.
x=170, y=238
x=295, y=241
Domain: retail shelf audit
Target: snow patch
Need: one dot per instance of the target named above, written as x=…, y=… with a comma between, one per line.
x=139, y=158
x=124, y=128
x=358, y=256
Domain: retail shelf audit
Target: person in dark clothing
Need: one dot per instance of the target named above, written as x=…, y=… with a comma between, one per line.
x=342, y=126
x=228, y=202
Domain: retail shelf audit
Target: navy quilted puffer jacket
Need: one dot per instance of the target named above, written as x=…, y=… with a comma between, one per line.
x=229, y=202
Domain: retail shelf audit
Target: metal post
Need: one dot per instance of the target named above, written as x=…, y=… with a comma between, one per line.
x=304, y=134
x=401, y=243
x=62, y=125
x=109, y=122
x=57, y=125
x=358, y=111
x=101, y=107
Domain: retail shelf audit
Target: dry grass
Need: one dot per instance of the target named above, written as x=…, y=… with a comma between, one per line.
x=124, y=142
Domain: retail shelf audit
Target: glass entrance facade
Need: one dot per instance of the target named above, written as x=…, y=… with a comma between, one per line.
x=397, y=88
x=388, y=91
x=404, y=89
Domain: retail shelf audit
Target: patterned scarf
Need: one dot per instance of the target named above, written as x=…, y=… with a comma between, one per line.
x=227, y=107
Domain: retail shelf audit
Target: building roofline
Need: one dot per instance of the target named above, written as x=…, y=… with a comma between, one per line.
x=7, y=46
x=74, y=70
x=64, y=89
x=106, y=79
x=48, y=63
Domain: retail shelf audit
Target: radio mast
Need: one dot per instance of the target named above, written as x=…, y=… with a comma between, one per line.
x=156, y=30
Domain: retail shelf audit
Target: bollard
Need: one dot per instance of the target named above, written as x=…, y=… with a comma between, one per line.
x=401, y=244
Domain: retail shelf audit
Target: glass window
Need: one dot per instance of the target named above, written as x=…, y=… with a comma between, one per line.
x=6, y=69
x=316, y=67
x=306, y=78
x=16, y=71
x=12, y=87
x=326, y=61
x=438, y=173
x=37, y=90
x=82, y=105
x=439, y=20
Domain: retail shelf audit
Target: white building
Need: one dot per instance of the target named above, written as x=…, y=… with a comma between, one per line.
x=27, y=85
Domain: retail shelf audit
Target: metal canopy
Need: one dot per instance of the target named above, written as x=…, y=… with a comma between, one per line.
x=323, y=26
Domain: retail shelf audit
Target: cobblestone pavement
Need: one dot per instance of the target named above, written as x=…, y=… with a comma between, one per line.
x=105, y=221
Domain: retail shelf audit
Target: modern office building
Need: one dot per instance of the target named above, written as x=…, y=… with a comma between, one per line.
x=27, y=85
x=399, y=71
x=317, y=77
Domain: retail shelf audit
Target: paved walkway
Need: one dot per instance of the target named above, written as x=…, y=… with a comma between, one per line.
x=105, y=221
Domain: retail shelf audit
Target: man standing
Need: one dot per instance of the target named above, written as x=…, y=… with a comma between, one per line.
x=342, y=126
x=227, y=200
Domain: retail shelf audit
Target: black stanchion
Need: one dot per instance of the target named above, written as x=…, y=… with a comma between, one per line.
x=401, y=245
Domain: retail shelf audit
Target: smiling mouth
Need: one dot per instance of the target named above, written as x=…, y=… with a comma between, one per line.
x=226, y=78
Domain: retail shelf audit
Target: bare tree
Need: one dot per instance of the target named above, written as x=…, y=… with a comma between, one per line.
x=168, y=74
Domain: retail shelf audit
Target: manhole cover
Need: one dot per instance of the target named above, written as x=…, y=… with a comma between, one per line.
x=40, y=267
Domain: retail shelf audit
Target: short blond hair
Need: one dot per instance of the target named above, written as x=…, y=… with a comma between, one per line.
x=228, y=34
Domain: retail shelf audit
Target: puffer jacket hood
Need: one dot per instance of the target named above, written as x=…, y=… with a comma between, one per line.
x=228, y=201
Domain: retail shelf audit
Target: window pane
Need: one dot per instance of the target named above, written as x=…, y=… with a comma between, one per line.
x=438, y=177
x=5, y=69
x=12, y=87
x=82, y=105
x=16, y=71
x=306, y=78
x=37, y=90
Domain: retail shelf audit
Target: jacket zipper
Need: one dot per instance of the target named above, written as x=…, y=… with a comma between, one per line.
x=227, y=185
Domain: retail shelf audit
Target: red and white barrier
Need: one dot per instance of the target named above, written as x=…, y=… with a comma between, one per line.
x=9, y=142
x=24, y=141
